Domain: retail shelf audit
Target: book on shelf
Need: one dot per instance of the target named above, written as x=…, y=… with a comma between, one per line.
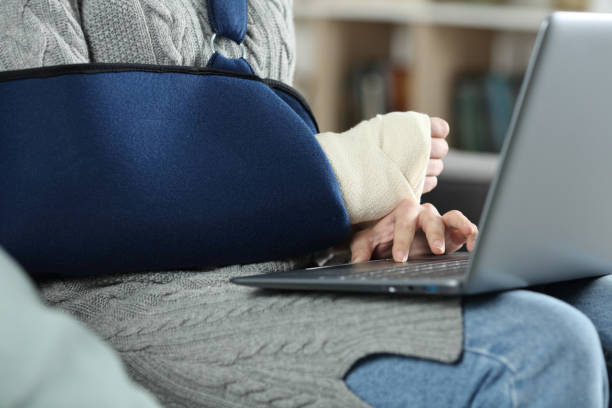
x=377, y=87
x=482, y=103
x=482, y=109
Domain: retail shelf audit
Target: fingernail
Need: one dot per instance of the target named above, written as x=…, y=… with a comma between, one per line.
x=439, y=245
x=402, y=256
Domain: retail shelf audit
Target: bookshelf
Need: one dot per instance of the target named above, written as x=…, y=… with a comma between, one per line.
x=434, y=44
x=458, y=14
x=433, y=41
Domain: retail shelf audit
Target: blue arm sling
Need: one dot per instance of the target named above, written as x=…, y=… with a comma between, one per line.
x=108, y=168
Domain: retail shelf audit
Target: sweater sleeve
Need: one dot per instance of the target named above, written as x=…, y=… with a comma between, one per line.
x=379, y=162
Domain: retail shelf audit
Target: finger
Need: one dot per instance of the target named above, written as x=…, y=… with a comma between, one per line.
x=456, y=219
x=439, y=148
x=439, y=128
x=471, y=242
x=430, y=184
x=406, y=218
x=373, y=241
x=434, y=167
x=433, y=226
x=454, y=240
x=419, y=246
x=383, y=229
x=362, y=246
x=459, y=231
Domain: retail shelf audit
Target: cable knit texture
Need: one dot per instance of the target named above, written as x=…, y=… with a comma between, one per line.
x=197, y=341
x=192, y=338
x=38, y=33
x=177, y=33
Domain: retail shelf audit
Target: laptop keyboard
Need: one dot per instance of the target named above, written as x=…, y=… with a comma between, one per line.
x=444, y=269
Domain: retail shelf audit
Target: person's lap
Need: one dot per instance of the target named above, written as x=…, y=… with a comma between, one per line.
x=521, y=347
x=593, y=298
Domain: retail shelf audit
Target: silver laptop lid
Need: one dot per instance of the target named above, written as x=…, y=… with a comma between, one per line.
x=548, y=215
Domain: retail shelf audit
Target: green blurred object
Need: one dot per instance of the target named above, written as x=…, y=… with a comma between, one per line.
x=482, y=108
x=469, y=115
x=500, y=102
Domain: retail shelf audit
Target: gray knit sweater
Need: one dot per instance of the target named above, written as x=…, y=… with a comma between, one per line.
x=192, y=338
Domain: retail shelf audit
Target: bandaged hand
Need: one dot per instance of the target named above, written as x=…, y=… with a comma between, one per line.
x=382, y=161
x=383, y=166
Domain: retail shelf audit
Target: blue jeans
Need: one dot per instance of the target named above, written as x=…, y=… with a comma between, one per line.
x=521, y=348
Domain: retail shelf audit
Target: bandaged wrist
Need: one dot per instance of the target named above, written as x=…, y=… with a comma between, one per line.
x=379, y=162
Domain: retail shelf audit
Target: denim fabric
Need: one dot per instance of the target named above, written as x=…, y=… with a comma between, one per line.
x=521, y=348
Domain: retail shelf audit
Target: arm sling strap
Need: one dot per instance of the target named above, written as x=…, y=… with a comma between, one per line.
x=109, y=168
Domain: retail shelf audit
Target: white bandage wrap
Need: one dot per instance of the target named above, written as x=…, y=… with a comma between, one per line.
x=379, y=162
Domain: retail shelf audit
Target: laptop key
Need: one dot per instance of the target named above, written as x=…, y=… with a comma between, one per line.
x=427, y=270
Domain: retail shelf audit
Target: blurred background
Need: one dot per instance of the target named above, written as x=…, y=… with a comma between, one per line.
x=460, y=60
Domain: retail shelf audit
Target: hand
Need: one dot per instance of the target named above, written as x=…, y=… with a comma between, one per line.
x=439, y=149
x=413, y=229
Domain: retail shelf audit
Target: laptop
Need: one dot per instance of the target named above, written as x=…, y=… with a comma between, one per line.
x=548, y=214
